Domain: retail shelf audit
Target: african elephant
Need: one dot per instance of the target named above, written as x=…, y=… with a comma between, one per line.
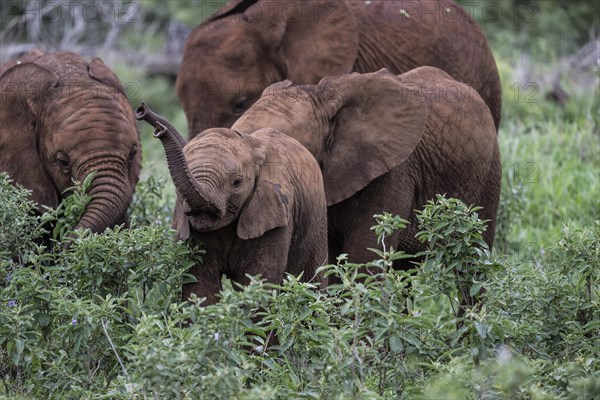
x=255, y=201
x=250, y=44
x=387, y=143
x=63, y=118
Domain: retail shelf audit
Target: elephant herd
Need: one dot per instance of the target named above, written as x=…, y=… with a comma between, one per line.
x=305, y=119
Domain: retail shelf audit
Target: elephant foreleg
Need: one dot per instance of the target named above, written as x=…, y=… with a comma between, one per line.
x=350, y=221
x=266, y=256
x=208, y=284
x=123, y=220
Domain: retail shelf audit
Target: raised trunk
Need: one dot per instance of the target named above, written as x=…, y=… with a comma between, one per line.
x=143, y=112
x=183, y=180
x=173, y=144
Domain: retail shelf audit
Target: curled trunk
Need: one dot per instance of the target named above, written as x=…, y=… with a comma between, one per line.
x=143, y=112
x=183, y=180
x=110, y=198
x=173, y=144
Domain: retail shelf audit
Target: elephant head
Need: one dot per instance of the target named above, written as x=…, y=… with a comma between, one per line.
x=223, y=176
x=250, y=44
x=347, y=123
x=63, y=118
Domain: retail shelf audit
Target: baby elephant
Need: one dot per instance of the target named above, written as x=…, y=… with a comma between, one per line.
x=255, y=201
x=61, y=119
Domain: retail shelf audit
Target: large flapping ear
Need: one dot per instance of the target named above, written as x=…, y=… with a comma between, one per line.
x=320, y=39
x=378, y=123
x=24, y=87
x=181, y=222
x=100, y=72
x=311, y=38
x=232, y=7
x=270, y=205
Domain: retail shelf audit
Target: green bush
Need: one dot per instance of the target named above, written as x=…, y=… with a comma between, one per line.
x=102, y=318
x=547, y=29
x=20, y=226
x=151, y=205
x=99, y=315
x=64, y=308
x=65, y=217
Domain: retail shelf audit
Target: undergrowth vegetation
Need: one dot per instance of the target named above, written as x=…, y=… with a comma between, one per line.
x=100, y=316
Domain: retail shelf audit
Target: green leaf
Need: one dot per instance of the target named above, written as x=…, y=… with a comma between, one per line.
x=43, y=319
x=482, y=329
x=396, y=344
x=410, y=338
x=19, y=347
x=475, y=288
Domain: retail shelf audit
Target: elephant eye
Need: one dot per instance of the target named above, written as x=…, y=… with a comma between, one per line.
x=236, y=182
x=63, y=162
x=132, y=154
x=240, y=105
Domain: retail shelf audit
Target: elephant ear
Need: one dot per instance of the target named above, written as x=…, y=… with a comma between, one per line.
x=100, y=72
x=313, y=38
x=270, y=204
x=378, y=122
x=232, y=7
x=24, y=88
x=320, y=39
x=180, y=221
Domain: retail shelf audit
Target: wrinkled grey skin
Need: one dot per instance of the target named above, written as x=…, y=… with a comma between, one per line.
x=255, y=201
x=250, y=44
x=388, y=143
x=61, y=119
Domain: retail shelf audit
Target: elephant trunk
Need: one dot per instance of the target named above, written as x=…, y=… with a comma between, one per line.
x=183, y=180
x=143, y=112
x=110, y=194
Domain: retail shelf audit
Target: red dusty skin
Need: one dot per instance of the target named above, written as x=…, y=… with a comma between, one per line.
x=110, y=196
x=143, y=112
x=173, y=144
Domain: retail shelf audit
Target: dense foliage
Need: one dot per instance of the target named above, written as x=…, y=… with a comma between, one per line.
x=100, y=317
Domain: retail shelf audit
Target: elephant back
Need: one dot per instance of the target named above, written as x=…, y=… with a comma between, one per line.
x=427, y=33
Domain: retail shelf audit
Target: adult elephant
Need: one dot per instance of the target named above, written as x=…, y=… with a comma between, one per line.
x=63, y=118
x=250, y=44
x=387, y=143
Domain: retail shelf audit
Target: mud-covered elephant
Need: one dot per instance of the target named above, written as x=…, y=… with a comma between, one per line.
x=61, y=119
x=256, y=202
x=387, y=143
x=250, y=44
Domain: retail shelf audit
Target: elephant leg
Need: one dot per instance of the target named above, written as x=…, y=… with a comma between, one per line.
x=123, y=220
x=310, y=256
x=269, y=270
x=407, y=242
x=266, y=256
x=335, y=239
x=351, y=220
x=208, y=285
x=490, y=197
